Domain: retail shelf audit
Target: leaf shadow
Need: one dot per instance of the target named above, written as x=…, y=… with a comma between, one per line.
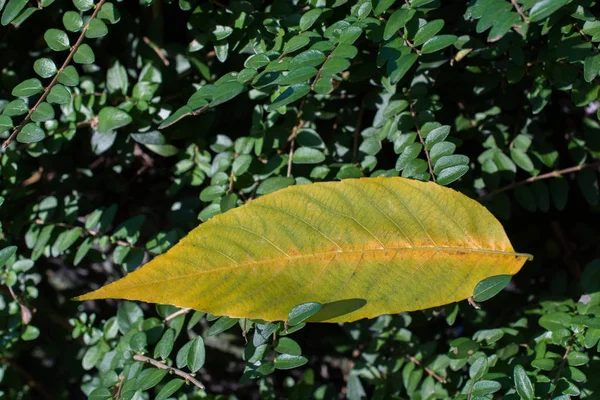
x=336, y=309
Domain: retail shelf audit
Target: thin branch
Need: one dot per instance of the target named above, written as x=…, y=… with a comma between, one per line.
x=292, y=138
x=361, y=112
x=178, y=372
x=157, y=50
x=312, y=86
x=428, y=370
x=25, y=312
x=520, y=11
x=412, y=46
x=27, y=118
x=177, y=314
x=582, y=33
x=119, y=386
x=552, y=174
x=414, y=117
x=561, y=366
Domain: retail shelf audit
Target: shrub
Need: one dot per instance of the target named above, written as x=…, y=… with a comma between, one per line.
x=127, y=124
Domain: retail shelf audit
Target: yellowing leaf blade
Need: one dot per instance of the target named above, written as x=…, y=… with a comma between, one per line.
x=361, y=248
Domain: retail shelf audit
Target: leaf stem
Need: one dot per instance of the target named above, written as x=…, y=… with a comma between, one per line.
x=27, y=118
x=418, y=128
x=157, y=50
x=428, y=370
x=177, y=314
x=519, y=11
x=161, y=365
x=552, y=174
x=562, y=365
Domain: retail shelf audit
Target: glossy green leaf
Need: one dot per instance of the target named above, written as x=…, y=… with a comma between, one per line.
x=96, y=29
x=111, y=118
x=438, y=43
x=169, y=389
x=28, y=88
x=83, y=5
x=196, y=355
x=58, y=95
x=5, y=123
x=69, y=76
x=31, y=133
x=226, y=92
x=44, y=67
x=544, y=8
x=57, y=40
x=72, y=21
x=84, y=55
x=43, y=112
x=427, y=31
x=12, y=10
x=288, y=361
x=489, y=287
x=523, y=383
x=291, y=94
x=309, y=18
x=322, y=251
x=109, y=13
x=397, y=21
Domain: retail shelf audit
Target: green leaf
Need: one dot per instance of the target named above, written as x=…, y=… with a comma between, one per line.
x=6, y=253
x=150, y=377
x=241, y=164
x=544, y=8
x=309, y=18
x=31, y=133
x=226, y=92
x=299, y=75
x=489, y=287
x=44, y=67
x=196, y=355
x=296, y=43
x=577, y=358
x=96, y=28
x=169, y=389
x=302, y=312
x=427, y=31
x=72, y=21
x=397, y=21
x=57, y=40
x=5, y=123
x=291, y=94
x=502, y=25
x=16, y=108
x=591, y=67
x=555, y=321
x=441, y=149
x=478, y=368
x=400, y=67
x=306, y=231
x=523, y=383
x=222, y=324
x=436, y=136
x=307, y=155
x=12, y=10
x=84, y=55
x=289, y=361
x=409, y=153
x=334, y=66
x=288, y=346
x=521, y=159
x=43, y=112
x=111, y=118
x=28, y=88
x=69, y=76
x=308, y=58
x=59, y=95
x=109, y=13
x=349, y=35
x=451, y=174
x=83, y=5
x=165, y=344
x=437, y=43
x=483, y=388
x=450, y=161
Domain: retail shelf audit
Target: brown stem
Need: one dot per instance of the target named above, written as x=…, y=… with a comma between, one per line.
x=178, y=372
x=552, y=174
x=519, y=11
x=361, y=112
x=561, y=366
x=428, y=370
x=312, y=87
x=25, y=312
x=418, y=128
x=177, y=314
x=412, y=46
x=27, y=118
x=158, y=51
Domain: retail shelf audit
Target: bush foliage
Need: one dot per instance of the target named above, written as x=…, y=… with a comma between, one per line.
x=126, y=124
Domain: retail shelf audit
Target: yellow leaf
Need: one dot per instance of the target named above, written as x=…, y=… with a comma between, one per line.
x=361, y=247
